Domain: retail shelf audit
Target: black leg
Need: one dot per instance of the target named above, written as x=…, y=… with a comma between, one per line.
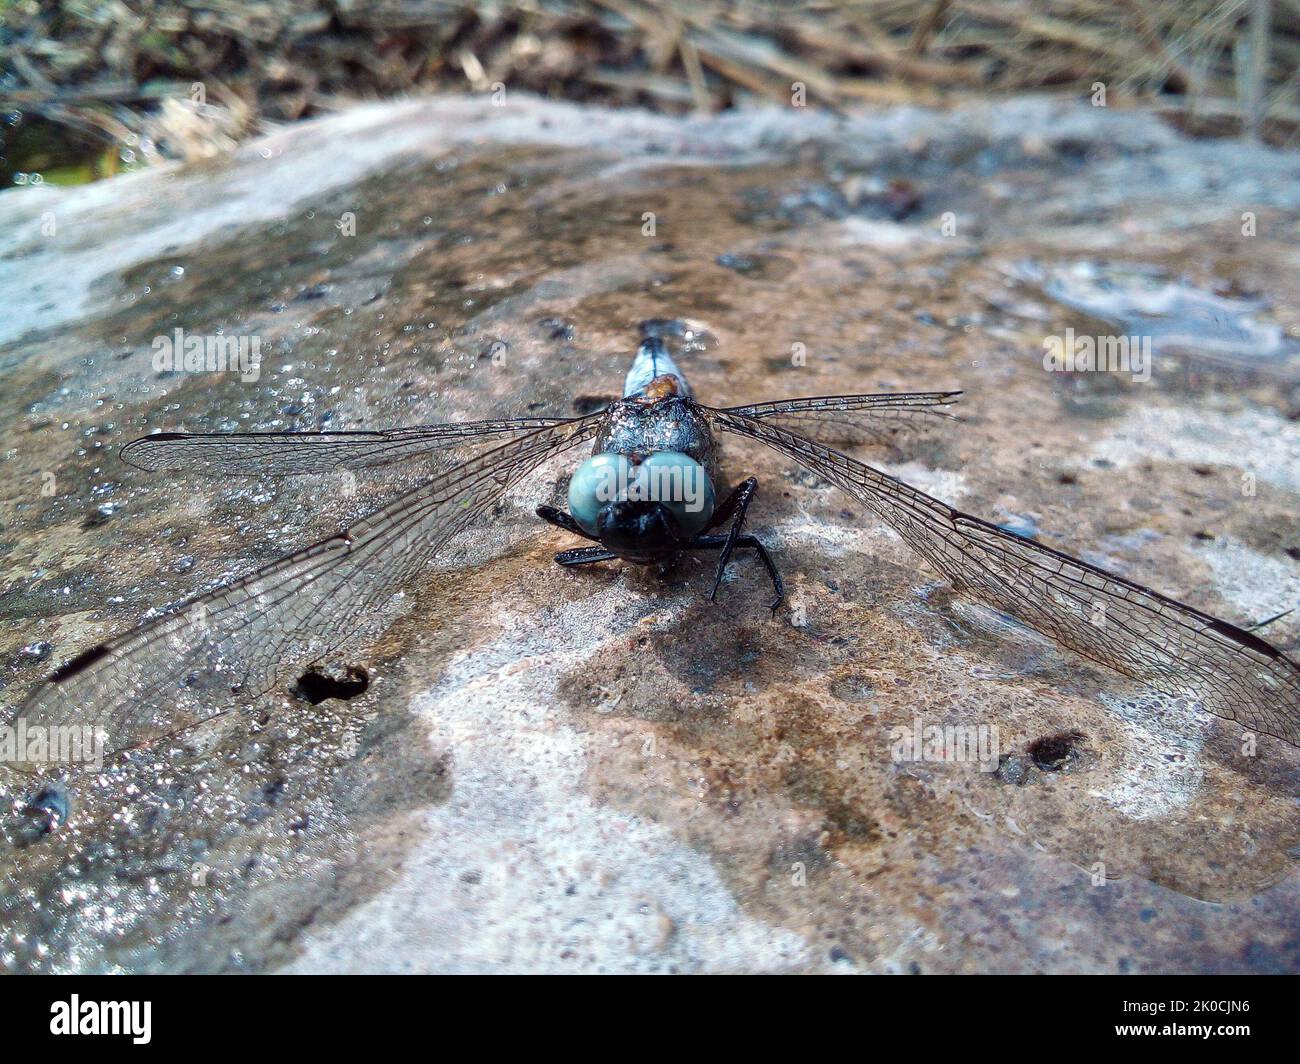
x=584, y=555
x=736, y=503
x=739, y=499
x=560, y=519
x=705, y=542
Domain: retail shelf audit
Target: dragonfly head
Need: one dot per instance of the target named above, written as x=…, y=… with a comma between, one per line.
x=641, y=507
x=640, y=531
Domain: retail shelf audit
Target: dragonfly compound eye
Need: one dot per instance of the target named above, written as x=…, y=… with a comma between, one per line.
x=680, y=484
x=601, y=479
x=668, y=477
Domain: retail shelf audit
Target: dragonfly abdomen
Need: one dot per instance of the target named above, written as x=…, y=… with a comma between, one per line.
x=651, y=362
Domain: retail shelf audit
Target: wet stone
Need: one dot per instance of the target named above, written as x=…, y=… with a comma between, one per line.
x=520, y=767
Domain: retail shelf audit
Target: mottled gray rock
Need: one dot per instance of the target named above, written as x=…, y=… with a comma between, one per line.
x=552, y=770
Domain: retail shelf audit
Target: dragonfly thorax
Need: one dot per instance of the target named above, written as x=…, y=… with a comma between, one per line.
x=634, y=426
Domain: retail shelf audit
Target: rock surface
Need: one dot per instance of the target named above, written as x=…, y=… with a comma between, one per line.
x=599, y=770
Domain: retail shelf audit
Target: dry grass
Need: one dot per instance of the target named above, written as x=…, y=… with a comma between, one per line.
x=184, y=77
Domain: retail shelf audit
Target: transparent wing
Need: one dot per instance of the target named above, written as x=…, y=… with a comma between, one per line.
x=182, y=668
x=1113, y=621
x=284, y=453
x=880, y=418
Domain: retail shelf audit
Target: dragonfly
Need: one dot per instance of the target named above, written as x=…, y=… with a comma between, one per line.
x=647, y=494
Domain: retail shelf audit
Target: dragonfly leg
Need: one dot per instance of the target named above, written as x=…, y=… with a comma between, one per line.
x=585, y=555
x=563, y=520
x=735, y=507
x=706, y=542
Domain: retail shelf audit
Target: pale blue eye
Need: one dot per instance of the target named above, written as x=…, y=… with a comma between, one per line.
x=600, y=479
x=680, y=483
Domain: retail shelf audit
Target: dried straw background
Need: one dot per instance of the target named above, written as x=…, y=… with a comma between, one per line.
x=125, y=72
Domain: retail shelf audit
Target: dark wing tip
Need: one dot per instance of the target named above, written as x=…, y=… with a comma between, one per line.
x=1246, y=639
x=80, y=663
x=136, y=453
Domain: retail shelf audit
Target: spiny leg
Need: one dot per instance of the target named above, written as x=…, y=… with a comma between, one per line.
x=704, y=542
x=584, y=555
x=736, y=503
x=563, y=520
x=578, y=555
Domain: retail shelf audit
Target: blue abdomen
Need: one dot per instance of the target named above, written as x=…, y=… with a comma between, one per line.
x=652, y=360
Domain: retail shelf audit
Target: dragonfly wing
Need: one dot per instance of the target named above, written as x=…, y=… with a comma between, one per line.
x=878, y=418
x=284, y=453
x=1110, y=620
x=182, y=667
